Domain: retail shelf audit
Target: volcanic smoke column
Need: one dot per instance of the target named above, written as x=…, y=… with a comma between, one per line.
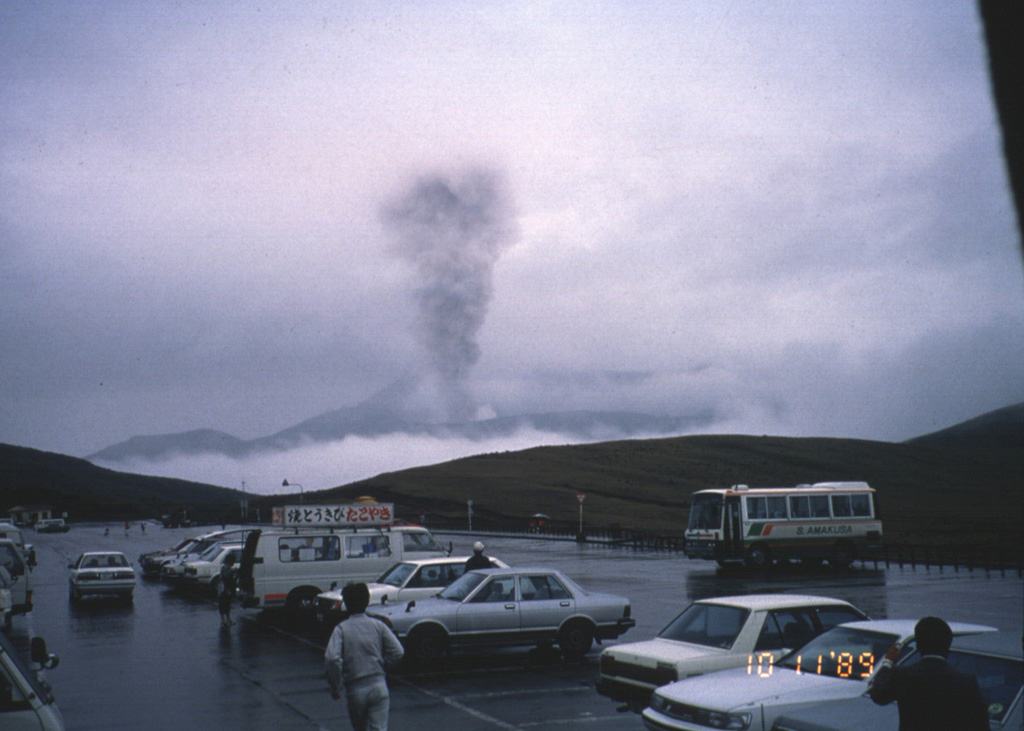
x=452, y=231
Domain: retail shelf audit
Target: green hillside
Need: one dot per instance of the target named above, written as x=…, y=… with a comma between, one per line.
x=928, y=494
x=88, y=492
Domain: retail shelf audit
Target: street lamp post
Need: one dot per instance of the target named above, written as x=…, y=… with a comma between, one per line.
x=294, y=484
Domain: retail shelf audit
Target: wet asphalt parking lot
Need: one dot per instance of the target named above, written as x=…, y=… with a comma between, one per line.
x=165, y=662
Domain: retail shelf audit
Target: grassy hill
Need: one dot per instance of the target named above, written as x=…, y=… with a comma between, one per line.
x=961, y=485
x=927, y=494
x=88, y=492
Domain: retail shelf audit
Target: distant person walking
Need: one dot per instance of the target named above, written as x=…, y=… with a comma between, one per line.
x=478, y=560
x=359, y=650
x=228, y=581
x=931, y=694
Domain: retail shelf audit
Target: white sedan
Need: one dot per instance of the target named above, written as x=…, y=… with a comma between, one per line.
x=833, y=666
x=402, y=582
x=204, y=572
x=716, y=634
x=106, y=573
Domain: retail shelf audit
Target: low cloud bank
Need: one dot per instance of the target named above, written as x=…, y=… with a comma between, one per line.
x=326, y=465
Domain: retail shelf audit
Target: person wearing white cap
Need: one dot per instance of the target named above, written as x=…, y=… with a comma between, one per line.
x=478, y=560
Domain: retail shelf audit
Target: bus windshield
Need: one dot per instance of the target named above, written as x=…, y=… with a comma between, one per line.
x=706, y=512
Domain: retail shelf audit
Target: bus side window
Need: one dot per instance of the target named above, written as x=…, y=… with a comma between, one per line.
x=841, y=506
x=861, y=505
x=777, y=508
x=819, y=506
x=756, y=508
x=799, y=507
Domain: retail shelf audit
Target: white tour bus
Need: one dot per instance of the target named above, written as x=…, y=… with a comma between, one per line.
x=317, y=548
x=759, y=525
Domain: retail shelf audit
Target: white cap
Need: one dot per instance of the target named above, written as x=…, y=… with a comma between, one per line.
x=478, y=547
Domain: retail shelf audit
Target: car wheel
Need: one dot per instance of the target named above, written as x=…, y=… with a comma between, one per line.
x=758, y=556
x=843, y=554
x=73, y=596
x=301, y=603
x=427, y=645
x=576, y=638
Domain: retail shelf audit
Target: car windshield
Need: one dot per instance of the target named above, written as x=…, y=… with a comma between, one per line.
x=706, y=512
x=103, y=561
x=420, y=542
x=842, y=652
x=713, y=625
x=463, y=586
x=211, y=553
x=397, y=574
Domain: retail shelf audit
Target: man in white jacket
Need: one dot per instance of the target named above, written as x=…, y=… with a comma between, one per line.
x=360, y=649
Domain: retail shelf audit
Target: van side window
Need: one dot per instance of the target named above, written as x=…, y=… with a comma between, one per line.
x=367, y=546
x=308, y=548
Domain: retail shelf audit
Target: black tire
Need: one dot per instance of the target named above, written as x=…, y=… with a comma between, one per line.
x=73, y=596
x=427, y=645
x=759, y=557
x=576, y=638
x=301, y=603
x=843, y=554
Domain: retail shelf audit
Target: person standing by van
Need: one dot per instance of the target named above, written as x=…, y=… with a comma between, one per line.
x=228, y=582
x=360, y=648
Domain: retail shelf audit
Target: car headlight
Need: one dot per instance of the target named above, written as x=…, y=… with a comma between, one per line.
x=728, y=720
x=658, y=702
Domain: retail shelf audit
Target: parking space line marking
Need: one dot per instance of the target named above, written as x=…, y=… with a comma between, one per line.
x=455, y=704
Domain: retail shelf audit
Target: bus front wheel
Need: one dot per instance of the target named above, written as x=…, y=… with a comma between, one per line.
x=758, y=556
x=843, y=554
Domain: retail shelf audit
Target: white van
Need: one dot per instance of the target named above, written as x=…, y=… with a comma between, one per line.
x=26, y=700
x=14, y=533
x=289, y=567
x=18, y=576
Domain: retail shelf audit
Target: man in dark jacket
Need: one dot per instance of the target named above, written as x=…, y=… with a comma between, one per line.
x=478, y=560
x=931, y=694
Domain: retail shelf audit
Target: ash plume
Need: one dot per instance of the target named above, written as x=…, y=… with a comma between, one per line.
x=452, y=231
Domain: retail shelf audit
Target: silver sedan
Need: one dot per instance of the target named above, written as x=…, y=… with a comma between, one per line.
x=503, y=607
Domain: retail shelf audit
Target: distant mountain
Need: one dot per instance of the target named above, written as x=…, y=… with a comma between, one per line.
x=999, y=429
x=88, y=492
x=388, y=412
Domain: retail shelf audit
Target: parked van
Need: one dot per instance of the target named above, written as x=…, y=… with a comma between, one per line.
x=289, y=567
x=18, y=576
x=14, y=533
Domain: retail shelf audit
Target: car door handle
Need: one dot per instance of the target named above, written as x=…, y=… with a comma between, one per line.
x=563, y=604
x=510, y=606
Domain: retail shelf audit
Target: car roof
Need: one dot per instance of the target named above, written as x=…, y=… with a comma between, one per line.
x=1004, y=644
x=773, y=601
x=103, y=553
x=905, y=627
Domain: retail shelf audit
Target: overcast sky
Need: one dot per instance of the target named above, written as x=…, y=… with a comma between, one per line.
x=794, y=215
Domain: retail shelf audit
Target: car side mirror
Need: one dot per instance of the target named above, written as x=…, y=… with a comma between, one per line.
x=71, y=566
x=410, y=605
x=40, y=655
